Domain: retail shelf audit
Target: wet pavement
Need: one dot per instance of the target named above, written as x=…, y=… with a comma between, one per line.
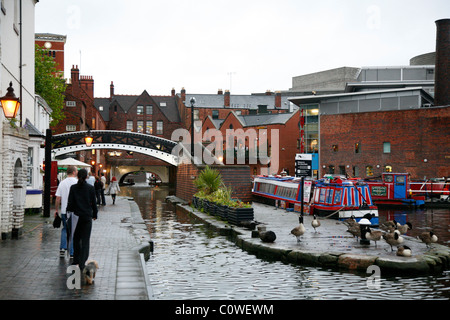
x=31, y=268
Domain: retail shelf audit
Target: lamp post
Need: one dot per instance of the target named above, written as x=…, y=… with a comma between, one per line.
x=10, y=103
x=88, y=139
x=192, y=127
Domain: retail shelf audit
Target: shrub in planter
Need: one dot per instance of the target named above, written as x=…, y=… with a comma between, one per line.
x=239, y=211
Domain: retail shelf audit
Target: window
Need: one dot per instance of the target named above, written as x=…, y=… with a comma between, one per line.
x=140, y=110
x=71, y=127
x=100, y=108
x=129, y=125
x=149, y=128
x=30, y=167
x=369, y=171
x=386, y=147
x=162, y=104
x=342, y=170
x=93, y=123
x=149, y=110
x=71, y=104
x=357, y=147
x=140, y=126
x=331, y=169
x=196, y=114
x=159, y=127
x=215, y=114
x=355, y=171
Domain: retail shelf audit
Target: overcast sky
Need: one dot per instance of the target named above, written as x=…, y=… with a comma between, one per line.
x=246, y=45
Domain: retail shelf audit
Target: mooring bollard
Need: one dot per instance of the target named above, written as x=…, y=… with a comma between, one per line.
x=363, y=224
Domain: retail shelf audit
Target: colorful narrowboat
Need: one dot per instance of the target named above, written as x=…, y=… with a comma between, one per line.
x=395, y=189
x=340, y=198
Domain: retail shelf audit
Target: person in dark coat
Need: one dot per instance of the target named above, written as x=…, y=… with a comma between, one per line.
x=98, y=185
x=82, y=202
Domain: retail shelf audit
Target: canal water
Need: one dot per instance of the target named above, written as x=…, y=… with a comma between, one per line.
x=192, y=262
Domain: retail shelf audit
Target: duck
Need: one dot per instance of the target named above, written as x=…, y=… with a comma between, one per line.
x=389, y=226
x=299, y=230
x=403, y=229
x=404, y=251
x=373, y=235
x=393, y=239
x=428, y=237
x=315, y=223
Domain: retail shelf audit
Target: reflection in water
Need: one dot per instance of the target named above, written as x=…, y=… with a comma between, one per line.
x=192, y=262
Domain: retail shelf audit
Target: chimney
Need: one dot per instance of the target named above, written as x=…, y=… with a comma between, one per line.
x=87, y=83
x=220, y=92
x=227, y=98
x=442, y=64
x=278, y=100
x=75, y=74
x=183, y=96
x=268, y=92
x=111, y=90
x=173, y=92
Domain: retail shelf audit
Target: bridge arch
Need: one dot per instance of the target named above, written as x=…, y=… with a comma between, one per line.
x=150, y=145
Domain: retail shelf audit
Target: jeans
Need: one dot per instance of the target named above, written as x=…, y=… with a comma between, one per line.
x=102, y=193
x=98, y=195
x=64, y=229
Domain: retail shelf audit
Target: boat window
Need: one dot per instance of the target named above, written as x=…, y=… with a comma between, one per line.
x=330, y=196
x=337, y=196
x=388, y=178
x=400, y=179
x=322, y=195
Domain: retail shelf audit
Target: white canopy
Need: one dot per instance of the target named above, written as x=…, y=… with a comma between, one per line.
x=72, y=162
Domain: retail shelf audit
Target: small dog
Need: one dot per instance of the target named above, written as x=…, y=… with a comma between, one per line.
x=89, y=271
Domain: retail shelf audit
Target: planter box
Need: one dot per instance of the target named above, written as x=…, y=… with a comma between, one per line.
x=237, y=215
x=222, y=211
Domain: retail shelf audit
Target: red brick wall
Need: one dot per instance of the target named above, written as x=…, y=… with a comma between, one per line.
x=414, y=135
x=237, y=177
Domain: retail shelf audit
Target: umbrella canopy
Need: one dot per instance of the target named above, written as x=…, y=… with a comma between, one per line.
x=72, y=162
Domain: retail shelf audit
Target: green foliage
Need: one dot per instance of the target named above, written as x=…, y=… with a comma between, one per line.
x=208, y=181
x=48, y=85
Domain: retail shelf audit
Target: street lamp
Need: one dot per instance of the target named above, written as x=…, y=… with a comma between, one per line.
x=10, y=103
x=88, y=139
x=192, y=127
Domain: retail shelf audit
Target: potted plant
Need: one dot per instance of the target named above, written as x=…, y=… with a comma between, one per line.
x=239, y=211
x=208, y=181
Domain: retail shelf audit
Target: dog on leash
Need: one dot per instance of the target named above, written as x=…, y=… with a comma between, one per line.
x=89, y=271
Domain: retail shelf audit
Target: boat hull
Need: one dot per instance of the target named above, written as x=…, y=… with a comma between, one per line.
x=346, y=213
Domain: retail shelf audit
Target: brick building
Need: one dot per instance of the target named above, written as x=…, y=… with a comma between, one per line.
x=54, y=45
x=81, y=115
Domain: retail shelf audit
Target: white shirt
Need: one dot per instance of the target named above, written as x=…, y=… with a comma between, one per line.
x=63, y=191
x=91, y=180
x=103, y=179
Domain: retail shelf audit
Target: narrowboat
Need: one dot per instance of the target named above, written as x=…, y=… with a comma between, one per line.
x=395, y=190
x=335, y=197
x=340, y=198
x=281, y=191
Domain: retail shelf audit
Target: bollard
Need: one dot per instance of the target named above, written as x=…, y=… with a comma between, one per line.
x=363, y=223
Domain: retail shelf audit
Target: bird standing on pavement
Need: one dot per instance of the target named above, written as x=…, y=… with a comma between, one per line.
x=299, y=230
x=393, y=239
x=428, y=237
x=315, y=223
x=373, y=235
x=404, y=228
x=389, y=226
x=355, y=230
x=350, y=221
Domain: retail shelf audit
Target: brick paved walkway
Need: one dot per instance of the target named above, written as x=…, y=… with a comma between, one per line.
x=30, y=267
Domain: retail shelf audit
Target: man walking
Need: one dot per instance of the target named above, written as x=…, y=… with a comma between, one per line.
x=62, y=195
x=102, y=192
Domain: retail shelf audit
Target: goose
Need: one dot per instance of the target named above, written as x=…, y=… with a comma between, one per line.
x=315, y=223
x=404, y=251
x=393, y=239
x=404, y=228
x=299, y=230
x=355, y=230
x=373, y=235
x=389, y=226
x=350, y=221
x=428, y=237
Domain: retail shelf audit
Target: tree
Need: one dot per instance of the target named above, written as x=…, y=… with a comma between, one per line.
x=49, y=84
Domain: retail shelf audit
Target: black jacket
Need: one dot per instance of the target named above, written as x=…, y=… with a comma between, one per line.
x=82, y=201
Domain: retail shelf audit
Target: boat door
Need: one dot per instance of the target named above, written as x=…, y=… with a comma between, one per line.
x=399, y=186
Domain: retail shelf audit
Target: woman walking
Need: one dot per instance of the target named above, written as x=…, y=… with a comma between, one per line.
x=82, y=203
x=114, y=189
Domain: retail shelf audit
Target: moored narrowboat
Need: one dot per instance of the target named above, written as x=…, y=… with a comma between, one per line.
x=395, y=189
x=340, y=198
